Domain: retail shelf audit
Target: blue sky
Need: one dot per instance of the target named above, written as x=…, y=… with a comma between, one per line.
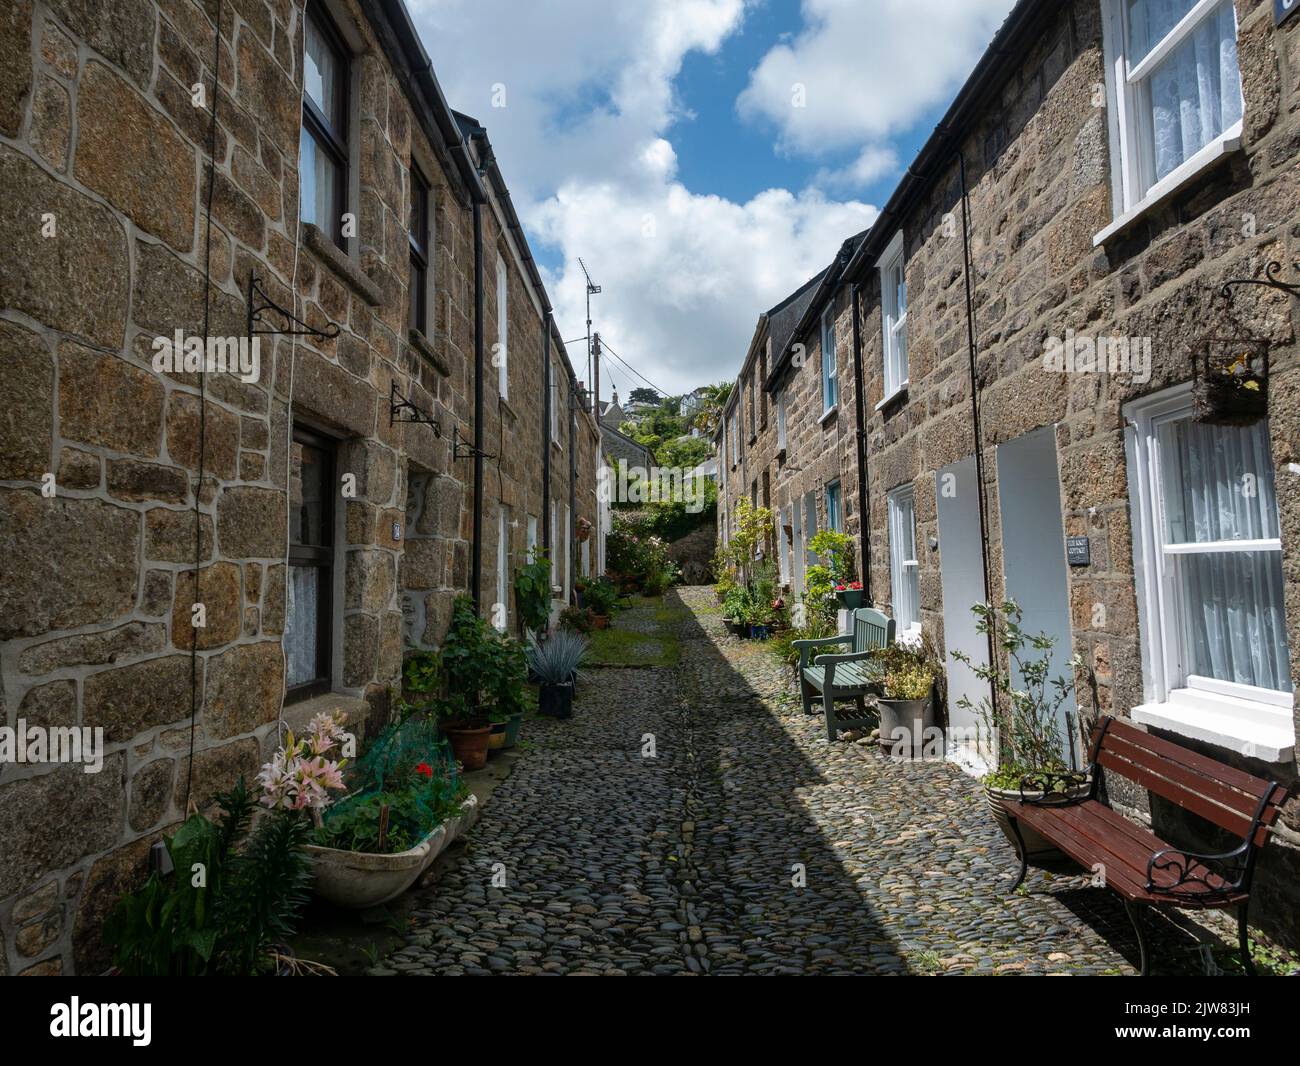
x=703, y=157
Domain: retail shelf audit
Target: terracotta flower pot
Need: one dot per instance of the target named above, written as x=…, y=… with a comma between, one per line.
x=469, y=743
x=600, y=621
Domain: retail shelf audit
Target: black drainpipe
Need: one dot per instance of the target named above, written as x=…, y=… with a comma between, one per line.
x=547, y=400
x=864, y=508
x=975, y=414
x=476, y=550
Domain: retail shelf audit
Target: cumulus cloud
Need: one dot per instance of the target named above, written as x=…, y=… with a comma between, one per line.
x=862, y=70
x=585, y=142
x=685, y=276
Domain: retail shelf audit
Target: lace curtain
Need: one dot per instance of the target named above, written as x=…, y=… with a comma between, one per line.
x=1194, y=94
x=1218, y=486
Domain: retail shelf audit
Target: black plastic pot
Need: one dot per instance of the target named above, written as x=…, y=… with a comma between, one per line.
x=556, y=700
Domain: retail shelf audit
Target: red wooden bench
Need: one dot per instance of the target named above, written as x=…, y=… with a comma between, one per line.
x=1143, y=869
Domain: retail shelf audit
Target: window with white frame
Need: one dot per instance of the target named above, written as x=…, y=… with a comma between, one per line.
x=893, y=316
x=1209, y=557
x=834, y=515
x=783, y=544
x=503, y=329
x=501, y=610
x=753, y=405
x=810, y=527
x=1174, y=88
x=830, y=382
x=530, y=543
x=555, y=407
x=904, y=568
x=780, y=421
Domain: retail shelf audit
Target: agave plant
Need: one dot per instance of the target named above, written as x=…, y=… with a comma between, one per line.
x=555, y=660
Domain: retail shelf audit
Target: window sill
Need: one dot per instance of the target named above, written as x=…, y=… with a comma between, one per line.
x=1209, y=156
x=348, y=271
x=1247, y=727
x=353, y=708
x=899, y=393
x=425, y=347
x=828, y=414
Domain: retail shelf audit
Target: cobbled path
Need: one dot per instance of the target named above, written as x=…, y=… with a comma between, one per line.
x=692, y=820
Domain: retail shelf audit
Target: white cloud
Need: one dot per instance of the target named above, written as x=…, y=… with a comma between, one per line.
x=684, y=277
x=584, y=141
x=867, y=69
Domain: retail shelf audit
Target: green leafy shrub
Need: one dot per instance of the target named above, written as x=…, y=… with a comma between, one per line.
x=600, y=594
x=224, y=907
x=1026, y=716
x=533, y=592
x=577, y=619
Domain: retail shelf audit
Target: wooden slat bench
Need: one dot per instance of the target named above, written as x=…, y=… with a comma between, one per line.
x=1135, y=863
x=844, y=676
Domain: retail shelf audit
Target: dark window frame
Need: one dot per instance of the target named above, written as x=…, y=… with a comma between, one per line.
x=418, y=238
x=323, y=558
x=321, y=128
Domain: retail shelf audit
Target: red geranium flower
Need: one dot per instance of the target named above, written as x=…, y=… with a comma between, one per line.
x=425, y=769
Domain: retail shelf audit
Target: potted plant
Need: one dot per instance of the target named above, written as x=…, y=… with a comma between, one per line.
x=849, y=595
x=735, y=610
x=837, y=553
x=577, y=620
x=906, y=707
x=555, y=662
x=1230, y=386
x=481, y=672
x=1033, y=740
x=468, y=730
x=601, y=595
x=405, y=804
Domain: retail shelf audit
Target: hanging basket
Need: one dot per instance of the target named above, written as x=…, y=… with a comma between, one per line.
x=1230, y=383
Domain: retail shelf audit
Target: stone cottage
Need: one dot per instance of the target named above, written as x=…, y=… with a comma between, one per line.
x=998, y=376
x=207, y=538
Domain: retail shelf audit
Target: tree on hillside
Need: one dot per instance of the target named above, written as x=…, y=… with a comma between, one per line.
x=712, y=400
x=643, y=395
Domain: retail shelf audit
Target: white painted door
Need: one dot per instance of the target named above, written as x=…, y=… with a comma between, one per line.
x=961, y=572
x=1033, y=548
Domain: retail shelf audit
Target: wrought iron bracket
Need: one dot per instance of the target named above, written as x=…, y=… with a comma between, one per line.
x=261, y=312
x=1269, y=281
x=463, y=449
x=400, y=409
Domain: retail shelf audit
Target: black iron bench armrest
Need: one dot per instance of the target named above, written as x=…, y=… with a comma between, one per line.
x=1234, y=864
x=1055, y=787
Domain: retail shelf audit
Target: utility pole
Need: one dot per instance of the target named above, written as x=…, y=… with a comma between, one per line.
x=595, y=377
x=592, y=289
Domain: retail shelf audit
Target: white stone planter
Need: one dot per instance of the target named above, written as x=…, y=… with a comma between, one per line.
x=462, y=823
x=360, y=879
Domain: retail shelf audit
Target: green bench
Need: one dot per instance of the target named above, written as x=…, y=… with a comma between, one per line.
x=844, y=676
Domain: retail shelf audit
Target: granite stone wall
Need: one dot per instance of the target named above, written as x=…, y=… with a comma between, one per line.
x=104, y=139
